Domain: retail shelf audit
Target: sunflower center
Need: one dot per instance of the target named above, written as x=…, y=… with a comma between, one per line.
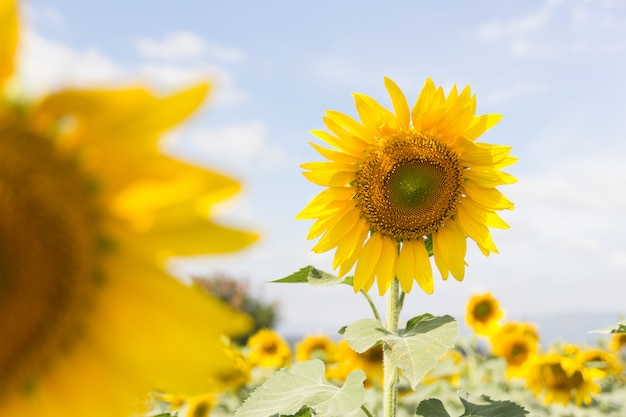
x=409, y=185
x=47, y=255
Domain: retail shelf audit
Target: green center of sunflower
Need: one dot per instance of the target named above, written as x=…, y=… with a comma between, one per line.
x=48, y=254
x=483, y=311
x=409, y=185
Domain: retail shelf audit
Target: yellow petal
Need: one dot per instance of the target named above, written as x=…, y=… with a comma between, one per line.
x=342, y=226
x=335, y=156
x=377, y=119
x=142, y=303
x=450, y=244
x=475, y=230
x=481, y=124
x=400, y=104
x=489, y=198
x=350, y=125
x=366, y=264
x=406, y=265
x=385, y=270
x=327, y=201
x=8, y=40
x=348, y=249
x=423, y=267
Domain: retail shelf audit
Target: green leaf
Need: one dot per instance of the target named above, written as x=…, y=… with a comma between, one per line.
x=364, y=334
x=486, y=407
x=424, y=341
x=420, y=347
x=431, y=408
x=287, y=391
x=474, y=407
x=619, y=327
x=313, y=276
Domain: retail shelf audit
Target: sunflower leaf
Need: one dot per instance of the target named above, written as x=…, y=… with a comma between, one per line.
x=425, y=340
x=364, y=334
x=287, y=391
x=313, y=276
x=619, y=327
x=474, y=407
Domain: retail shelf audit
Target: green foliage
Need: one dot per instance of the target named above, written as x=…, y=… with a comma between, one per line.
x=474, y=407
x=619, y=327
x=237, y=295
x=416, y=350
x=289, y=390
x=313, y=276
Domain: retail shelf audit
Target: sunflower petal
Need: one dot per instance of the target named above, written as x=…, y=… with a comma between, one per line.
x=8, y=40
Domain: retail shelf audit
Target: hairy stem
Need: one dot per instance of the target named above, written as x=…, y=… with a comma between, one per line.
x=390, y=389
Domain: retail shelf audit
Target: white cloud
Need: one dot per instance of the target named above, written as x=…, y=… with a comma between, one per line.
x=45, y=65
x=234, y=146
x=185, y=44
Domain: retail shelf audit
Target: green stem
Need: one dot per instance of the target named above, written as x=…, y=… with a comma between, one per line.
x=366, y=411
x=372, y=305
x=390, y=388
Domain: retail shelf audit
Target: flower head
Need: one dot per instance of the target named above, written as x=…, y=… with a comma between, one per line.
x=483, y=314
x=405, y=184
x=563, y=379
x=316, y=347
x=516, y=343
x=348, y=360
x=89, y=211
x=268, y=350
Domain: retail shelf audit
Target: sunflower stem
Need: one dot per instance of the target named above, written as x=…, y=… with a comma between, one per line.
x=372, y=305
x=390, y=388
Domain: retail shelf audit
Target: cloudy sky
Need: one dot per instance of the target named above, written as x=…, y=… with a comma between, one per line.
x=553, y=68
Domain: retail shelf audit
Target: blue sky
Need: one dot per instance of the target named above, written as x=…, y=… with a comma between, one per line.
x=554, y=69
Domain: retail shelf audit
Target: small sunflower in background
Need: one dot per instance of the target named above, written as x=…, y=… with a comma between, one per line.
x=618, y=343
x=267, y=349
x=317, y=347
x=602, y=360
x=483, y=314
x=405, y=184
x=516, y=343
x=562, y=379
x=348, y=360
x=90, y=209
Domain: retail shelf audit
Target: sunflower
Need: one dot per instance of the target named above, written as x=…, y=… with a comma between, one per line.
x=600, y=359
x=370, y=362
x=400, y=186
x=562, y=378
x=448, y=369
x=516, y=343
x=316, y=347
x=268, y=349
x=618, y=343
x=483, y=314
x=89, y=211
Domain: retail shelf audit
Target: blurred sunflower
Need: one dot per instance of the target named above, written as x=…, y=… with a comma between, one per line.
x=448, y=369
x=268, y=350
x=516, y=343
x=483, y=314
x=370, y=362
x=89, y=211
x=562, y=378
x=600, y=359
x=403, y=185
x=316, y=347
x=618, y=342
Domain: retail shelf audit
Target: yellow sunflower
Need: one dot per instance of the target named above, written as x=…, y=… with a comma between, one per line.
x=370, y=362
x=316, y=347
x=268, y=349
x=618, y=343
x=89, y=210
x=563, y=379
x=399, y=186
x=516, y=343
x=483, y=314
x=600, y=359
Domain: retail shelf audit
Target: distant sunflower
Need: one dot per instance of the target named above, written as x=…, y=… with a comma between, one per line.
x=516, y=343
x=316, y=347
x=602, y=360
x=562, y=379
x=370, y=362
x=268, y=349
x=618, y=343
x=89, y=211
x=402, y=185
x=483, y=314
